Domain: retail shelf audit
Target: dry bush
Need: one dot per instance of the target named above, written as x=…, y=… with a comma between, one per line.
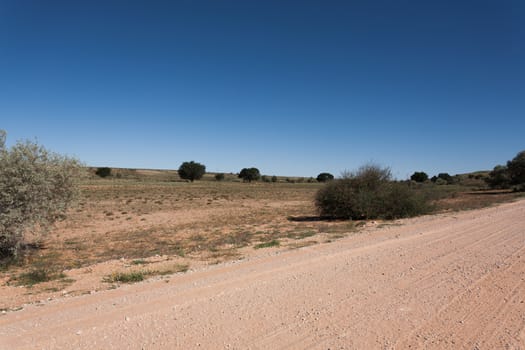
x=36, y=188
x=369, y=193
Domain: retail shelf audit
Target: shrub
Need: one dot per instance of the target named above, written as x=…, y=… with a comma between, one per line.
x=103, y=172
x=38, y=275
x=36, y=189
x=446, y=177
x=191, y=171
x=401, y=201
x=274, y=178
x=125, y=277
x=369, y=193
x=439, y=181
x=324, y=177
x=219, y=177
x=249, y=174
x=419, y=176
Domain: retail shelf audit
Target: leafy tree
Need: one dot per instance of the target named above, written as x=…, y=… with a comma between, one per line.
x=191, y=171
x=419, y=176
x=103, y=172
x=516, y=169
x=249, y=174
x=36, y=188
x=324, y=177
x=219, y=176
x=499, y=177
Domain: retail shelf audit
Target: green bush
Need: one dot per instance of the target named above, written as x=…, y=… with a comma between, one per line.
x=439, y=181
x=369, y=193
x=274, y=178
x=36, y=189
x=191, y=171
x=446, y=177
x=399, y=200
x=219, y=177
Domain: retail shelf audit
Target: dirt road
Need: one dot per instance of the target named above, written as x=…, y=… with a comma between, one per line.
x=451, y=281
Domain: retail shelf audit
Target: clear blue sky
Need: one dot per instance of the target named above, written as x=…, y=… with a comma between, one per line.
x=290, y=87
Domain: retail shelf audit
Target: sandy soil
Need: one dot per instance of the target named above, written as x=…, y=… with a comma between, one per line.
x=450, y=281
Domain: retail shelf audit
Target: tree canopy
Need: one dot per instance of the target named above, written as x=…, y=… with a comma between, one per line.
x=191, y=171
x=512, y=175
x=419, y=176
x=249, y=174
x=324, y=177
x=516, y=169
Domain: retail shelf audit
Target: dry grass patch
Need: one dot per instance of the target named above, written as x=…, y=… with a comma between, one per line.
x=205, y=221
x=137, y=276
x=476, y=199
x=202, y=222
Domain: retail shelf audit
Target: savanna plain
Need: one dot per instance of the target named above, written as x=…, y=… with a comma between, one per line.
x=144, y=262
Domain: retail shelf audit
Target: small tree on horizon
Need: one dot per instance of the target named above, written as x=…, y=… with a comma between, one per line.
x=191, y=171
x=249, y=174
x=324, y=177
x=103, y=172
x=419, y=176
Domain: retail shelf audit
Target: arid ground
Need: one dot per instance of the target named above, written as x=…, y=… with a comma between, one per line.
x=252, y=267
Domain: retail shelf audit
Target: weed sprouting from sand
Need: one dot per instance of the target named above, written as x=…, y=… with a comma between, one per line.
x=272, y=243
x=138, y=276
x=125, y=277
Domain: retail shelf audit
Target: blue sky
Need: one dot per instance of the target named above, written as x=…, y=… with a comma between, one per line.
x=290, y=87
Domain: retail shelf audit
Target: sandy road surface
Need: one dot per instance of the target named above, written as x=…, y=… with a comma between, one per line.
x=452, y=281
